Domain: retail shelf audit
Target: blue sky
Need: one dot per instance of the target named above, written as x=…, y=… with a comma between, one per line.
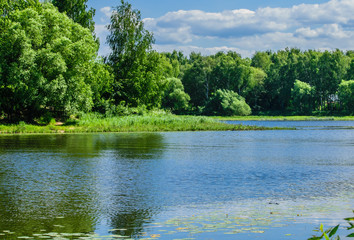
x=209, y=26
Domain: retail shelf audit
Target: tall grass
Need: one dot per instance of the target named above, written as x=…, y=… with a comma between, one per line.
x=155, y=122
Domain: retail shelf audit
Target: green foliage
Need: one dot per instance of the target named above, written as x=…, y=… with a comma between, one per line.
x=174, y=97
x=261, y=60
x=227, y=103
x=255, y=88
x=350, y=72
x=346, y=95
x=280, y=79
x=171, y=67
x=332, y=68
x=48, y=64
x=196, y=79
x=138, y=75
x=231, y=72
x=100, y=78
x=47, y=119
x=76, y=10
x=8, y=6
x=44, y=60
x=156, y=122
x=151, y=122
x=301, y=96
x=326, y=234
x=329, y=234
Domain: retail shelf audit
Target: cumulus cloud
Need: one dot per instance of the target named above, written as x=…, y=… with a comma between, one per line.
x=187, y=49
x=224, y=24
x=333, y=31
x=107, y=11
x=328, y=25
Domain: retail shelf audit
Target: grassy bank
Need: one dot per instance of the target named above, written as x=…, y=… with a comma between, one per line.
x=95, y=123
x=284, y=118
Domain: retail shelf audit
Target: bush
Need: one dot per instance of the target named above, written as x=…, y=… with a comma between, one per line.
x=227, y=103
x=47, y=119
x=174, y=97
x=346, y=95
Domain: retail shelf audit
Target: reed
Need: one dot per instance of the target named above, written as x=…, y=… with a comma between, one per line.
x=90, y=123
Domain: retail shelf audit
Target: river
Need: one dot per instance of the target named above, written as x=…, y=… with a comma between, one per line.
x=178, y=185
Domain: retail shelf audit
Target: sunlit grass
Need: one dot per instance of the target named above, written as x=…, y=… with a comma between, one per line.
x=150, y=123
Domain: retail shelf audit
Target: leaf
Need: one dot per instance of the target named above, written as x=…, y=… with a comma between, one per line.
x=333, y=231
x=315, y=238
x=321, y=227
x=326, y=236
x=351, y=226
x=351, y=235
x=349, y=219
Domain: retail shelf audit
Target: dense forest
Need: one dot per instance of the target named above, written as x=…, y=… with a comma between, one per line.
x=49, y=66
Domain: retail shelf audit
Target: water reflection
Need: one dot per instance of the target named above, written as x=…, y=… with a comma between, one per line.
x=125, y=183
x=69, y=183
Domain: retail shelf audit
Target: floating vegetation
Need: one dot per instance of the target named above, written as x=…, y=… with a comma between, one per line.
x=231, y=220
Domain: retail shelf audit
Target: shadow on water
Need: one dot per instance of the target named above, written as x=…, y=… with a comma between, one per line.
x=69, y=183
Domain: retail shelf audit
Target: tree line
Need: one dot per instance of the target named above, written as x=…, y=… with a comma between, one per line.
x=49, y=65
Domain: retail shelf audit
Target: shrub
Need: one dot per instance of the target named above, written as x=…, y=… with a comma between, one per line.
x=227, y=103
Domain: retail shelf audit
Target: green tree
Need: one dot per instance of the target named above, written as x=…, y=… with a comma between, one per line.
x=175, y=98
x=261, y=60
x=301, y=96
x=274, y=83
x=346, y=95
x=332, y=69
x=280, y=79
x=231, y=72
x=100, y=78
x=7, y=6
x=255, y=91
x=227, y=103
x=77, y=11
x=224, y=73
x=196, y=79
x=44, y=58
x=350, y=72
x=170, y=66
x=138, y=78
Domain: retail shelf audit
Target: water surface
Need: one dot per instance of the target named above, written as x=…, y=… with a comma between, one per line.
x=178, y=185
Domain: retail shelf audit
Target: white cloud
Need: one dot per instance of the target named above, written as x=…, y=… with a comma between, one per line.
x=307, y=26
x=187, y=49
x=327, y=26
x=181, y=34
x=107, y=11
x=334, y=31
x=104, y=51
x=100, y=29
x=102, y=33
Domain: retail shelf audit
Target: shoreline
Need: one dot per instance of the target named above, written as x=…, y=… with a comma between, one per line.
x=284, y=118
x=130, y=124
x=161, y=123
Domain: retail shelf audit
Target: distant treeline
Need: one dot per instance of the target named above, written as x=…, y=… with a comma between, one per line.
x=49, y=67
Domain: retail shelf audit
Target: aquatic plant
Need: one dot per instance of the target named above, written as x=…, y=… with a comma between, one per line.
x=156, y=122
x=329, y=234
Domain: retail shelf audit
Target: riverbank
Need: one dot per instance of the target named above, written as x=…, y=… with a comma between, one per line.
x=284, y=118
x=92, y=123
